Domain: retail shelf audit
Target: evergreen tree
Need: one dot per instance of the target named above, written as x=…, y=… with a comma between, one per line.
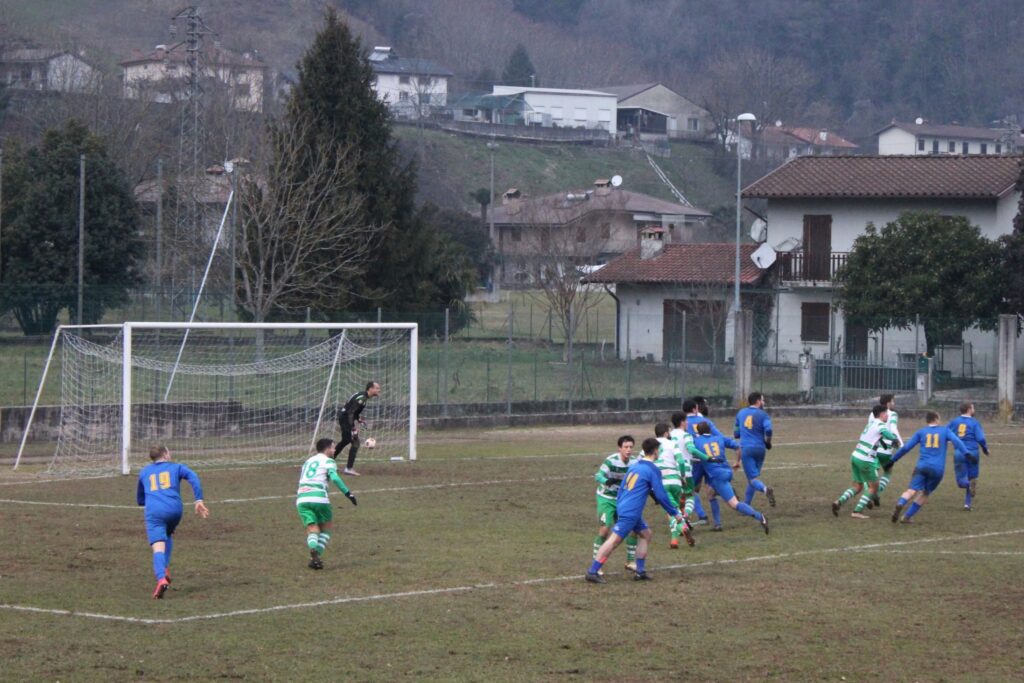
x=519, y=69
x=40, y=225
x=1013, y=256
x=335, y=93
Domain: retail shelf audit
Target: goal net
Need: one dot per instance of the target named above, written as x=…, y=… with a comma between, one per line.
x=219, y=394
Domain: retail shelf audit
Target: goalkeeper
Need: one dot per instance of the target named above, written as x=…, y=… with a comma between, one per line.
x=349, y=419
x=312, y=502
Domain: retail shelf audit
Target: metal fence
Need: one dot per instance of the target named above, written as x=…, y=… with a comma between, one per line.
x=514, y=357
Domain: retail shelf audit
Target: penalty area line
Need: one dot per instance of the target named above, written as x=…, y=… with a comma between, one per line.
x=341, y=600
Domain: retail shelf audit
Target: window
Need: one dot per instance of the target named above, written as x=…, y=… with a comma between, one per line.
x=920, y=144
x=966, y=148
x=242, y=89
x=814, y=319
x=935, y=146
x=984, y=148
x=606, y=231
x=999, y=148
x=404, y=80
x=403, y=96
x=425, y=81
x=951, y=148
x=581, y=234
x=693, y=124
x=26, y=73
x=517, y=234
x=581, y=115
x=556, y=113
x=425, y=98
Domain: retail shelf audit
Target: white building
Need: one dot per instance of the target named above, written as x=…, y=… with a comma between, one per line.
x=671, y=297
x=46, y=69
x=411, y=87
x=922, y=137
x=563, y=107
x=817, y=206
x=162, y=75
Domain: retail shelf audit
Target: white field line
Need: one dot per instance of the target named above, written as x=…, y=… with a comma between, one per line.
x=389, y=489
x=481, y=586
x=987, y=553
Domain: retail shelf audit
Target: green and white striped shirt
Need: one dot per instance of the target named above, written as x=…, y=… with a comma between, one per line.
x=683, y=439
x=885, y=446
x=865, y=448
x=668, y=462
x=610, y=475
x=313, y=479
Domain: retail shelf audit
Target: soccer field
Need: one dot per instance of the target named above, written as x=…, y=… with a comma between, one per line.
x=468, y=565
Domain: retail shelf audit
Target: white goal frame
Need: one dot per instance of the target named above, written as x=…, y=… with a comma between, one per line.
x=126, y=367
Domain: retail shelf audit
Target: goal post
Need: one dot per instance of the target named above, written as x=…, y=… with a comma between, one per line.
x=225, y=393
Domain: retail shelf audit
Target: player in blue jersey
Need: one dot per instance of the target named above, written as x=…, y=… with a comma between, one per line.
x=754, y=432
x=643, y=478
x=719, y=472
x=159, y=490
x=696, y=410
x=931, y=465
x=966, y=467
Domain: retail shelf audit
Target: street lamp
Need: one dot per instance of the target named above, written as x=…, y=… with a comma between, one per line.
x=739, y=205
x=491, y=146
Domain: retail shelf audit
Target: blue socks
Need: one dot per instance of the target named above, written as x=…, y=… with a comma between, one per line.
x=168, y=547
x=912, y=510
x=967, y=498
x=595, y=566
x=698, y=508
x=901, y=501
x=640, y=562
x=716, y=511
x=745, y=509
x=159, y=565
x=749, y=495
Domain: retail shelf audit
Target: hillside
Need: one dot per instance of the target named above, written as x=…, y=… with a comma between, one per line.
x=452, y=166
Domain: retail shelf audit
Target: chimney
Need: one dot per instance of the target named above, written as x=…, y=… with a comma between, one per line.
x=511, y=199
x=161, y=50
x=652, y=242
x=603, y=187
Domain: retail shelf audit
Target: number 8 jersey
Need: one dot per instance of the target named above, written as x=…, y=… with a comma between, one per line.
x=316, y=472
x=160, y=487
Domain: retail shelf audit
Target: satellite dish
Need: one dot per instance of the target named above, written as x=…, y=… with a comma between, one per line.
x=759, y=230
x=763, y=256
x=778, y=123
x=919, y=120
x=788, y=244
x=229, y=166
x=616, y=180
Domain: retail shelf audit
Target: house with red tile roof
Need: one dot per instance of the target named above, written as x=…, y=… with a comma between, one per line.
x=818, y=205
x=782, y=143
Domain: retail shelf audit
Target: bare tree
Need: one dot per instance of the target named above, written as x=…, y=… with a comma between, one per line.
x=559, y=241
x=297, y=239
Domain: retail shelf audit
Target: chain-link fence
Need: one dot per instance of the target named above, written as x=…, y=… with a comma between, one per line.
x=514, y=356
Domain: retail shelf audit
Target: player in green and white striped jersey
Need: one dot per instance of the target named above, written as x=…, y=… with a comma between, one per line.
x=312, y=502
x=864, y=463
x=886, y=447
x=609, y=477
x=669, y=460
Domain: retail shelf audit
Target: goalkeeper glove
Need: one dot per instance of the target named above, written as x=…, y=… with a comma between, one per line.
x=351, y=498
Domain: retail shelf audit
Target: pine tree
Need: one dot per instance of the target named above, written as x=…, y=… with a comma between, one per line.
x=410, y=269
x=1013, y=255
x=519, y=69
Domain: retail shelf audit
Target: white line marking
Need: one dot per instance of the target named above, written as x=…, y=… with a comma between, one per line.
x=992, y=553
x=390, y=489
x=483, y=586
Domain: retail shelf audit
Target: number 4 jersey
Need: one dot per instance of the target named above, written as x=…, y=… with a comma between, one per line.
x=160, y=487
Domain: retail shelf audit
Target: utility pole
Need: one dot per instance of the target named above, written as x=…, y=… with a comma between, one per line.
x=1, y=212
x=81, y=233
x=159, y=236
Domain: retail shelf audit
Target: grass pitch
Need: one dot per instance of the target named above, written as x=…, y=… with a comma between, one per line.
x=468, y=565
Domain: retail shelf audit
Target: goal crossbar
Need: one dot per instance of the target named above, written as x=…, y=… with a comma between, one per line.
x=126, y=329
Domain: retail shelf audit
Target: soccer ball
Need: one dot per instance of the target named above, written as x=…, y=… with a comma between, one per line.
x=371, y=442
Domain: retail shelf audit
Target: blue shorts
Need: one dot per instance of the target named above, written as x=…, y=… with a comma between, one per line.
x=926, y=480
x=698, y=472
x=625, y=525
x=719, y=477
x=160, y=526
x=752, y=458
x=965, y=471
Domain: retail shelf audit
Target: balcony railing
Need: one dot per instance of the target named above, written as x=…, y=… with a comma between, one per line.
x=811, y=266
